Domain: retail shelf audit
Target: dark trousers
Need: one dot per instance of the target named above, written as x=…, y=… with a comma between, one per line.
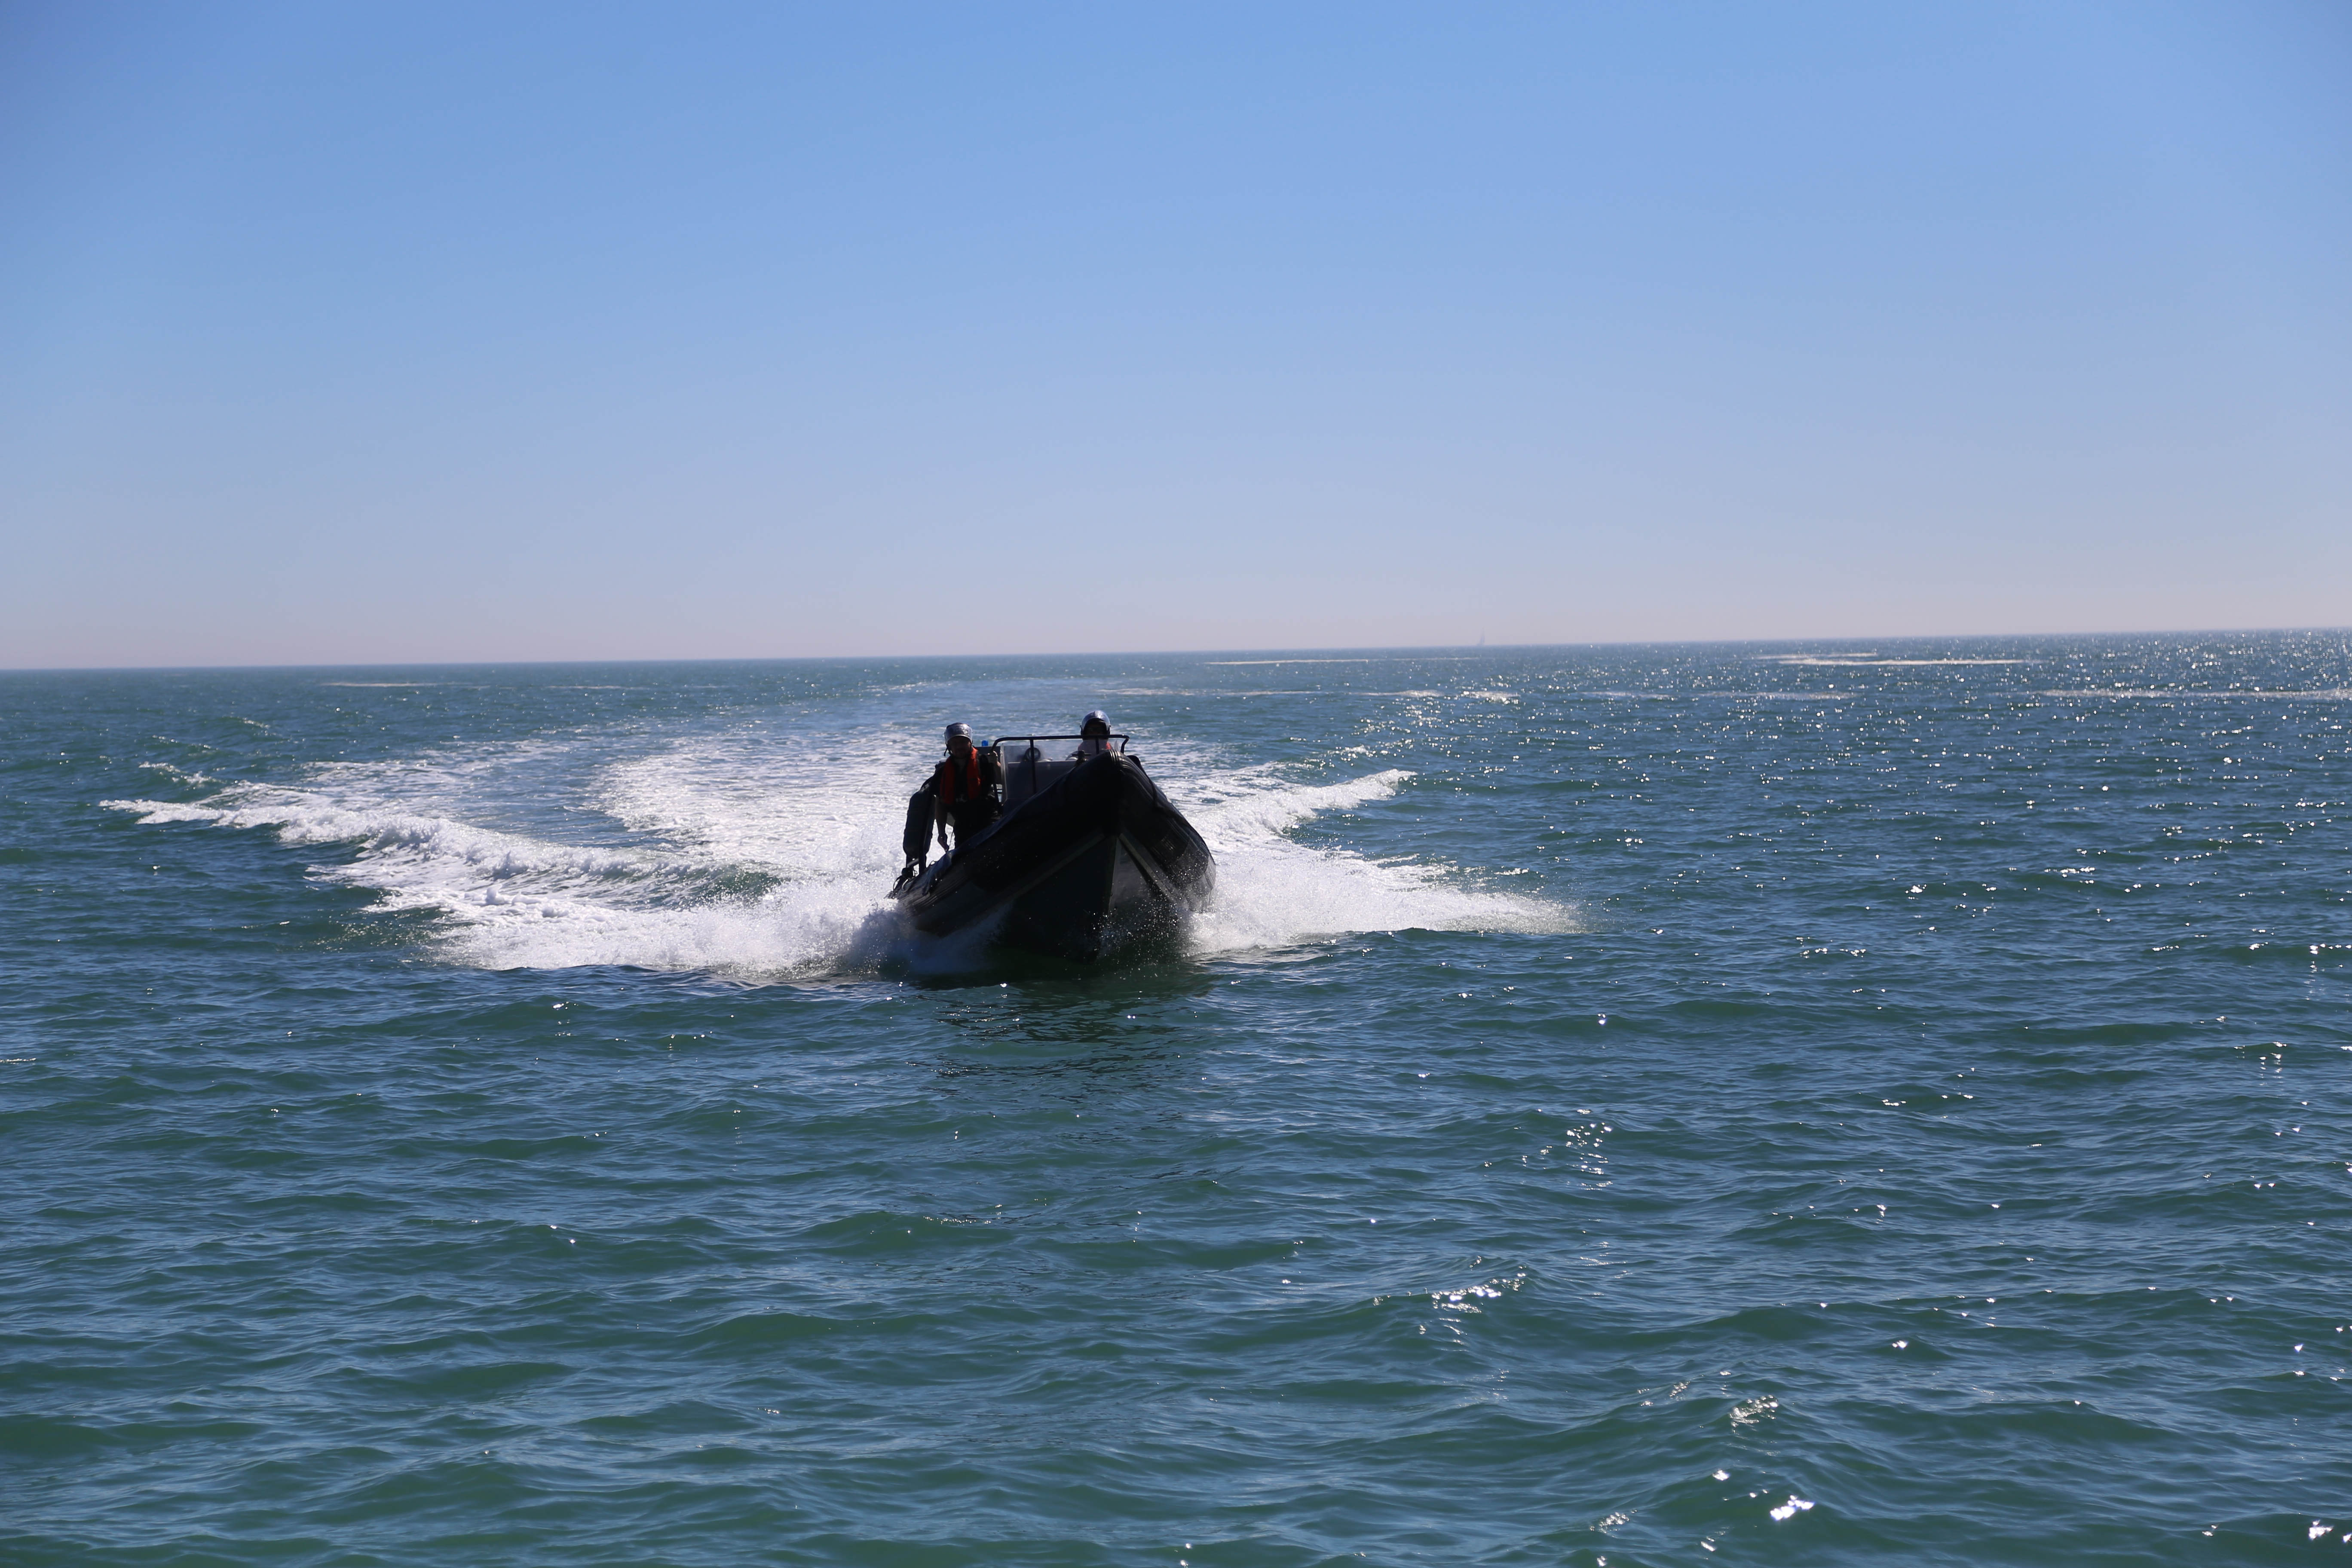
x=971, y=819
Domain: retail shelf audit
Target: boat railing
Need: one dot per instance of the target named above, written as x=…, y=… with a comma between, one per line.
x=1028, y=768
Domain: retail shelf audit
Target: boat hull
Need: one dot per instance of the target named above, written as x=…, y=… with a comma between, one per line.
x=1097, y=862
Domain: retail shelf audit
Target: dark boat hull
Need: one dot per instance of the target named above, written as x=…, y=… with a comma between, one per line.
x=1095, y=862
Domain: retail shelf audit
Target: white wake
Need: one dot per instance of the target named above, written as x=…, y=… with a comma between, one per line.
x=749, y=856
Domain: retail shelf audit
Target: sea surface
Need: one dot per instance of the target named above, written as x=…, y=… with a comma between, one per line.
x=1810, y=1104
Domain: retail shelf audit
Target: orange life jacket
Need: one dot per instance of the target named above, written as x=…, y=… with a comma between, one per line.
x=971, y=786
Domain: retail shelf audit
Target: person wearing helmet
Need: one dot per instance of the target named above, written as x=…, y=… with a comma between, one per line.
x=965, y=788
x=1093, y=737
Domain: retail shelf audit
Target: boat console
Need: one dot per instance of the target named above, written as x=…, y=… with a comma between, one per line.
x=1032, y=764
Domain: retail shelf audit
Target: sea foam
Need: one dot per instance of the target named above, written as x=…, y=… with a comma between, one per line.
x=737, y=855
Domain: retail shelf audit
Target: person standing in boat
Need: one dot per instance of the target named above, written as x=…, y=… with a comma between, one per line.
x=965, y=788
x=1093, y=737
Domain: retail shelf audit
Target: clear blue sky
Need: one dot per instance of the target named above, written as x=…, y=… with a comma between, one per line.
x=389, y=331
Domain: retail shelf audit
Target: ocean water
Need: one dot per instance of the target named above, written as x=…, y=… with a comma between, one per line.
x=1790, y=1104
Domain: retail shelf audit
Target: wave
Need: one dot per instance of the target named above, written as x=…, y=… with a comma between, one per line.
x=1856, y=661
x=1274, y=892
x=416, y=860
x=743, y=857
x=2327, y=694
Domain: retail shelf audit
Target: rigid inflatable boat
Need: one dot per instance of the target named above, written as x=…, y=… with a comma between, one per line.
x=1089, y=855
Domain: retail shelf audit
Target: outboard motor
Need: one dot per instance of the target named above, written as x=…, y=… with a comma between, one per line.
x=917, y=839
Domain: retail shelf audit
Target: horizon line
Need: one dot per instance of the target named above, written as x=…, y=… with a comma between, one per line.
x=1282, y=655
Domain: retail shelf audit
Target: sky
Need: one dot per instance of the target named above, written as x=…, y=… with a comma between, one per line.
x=347, y=332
